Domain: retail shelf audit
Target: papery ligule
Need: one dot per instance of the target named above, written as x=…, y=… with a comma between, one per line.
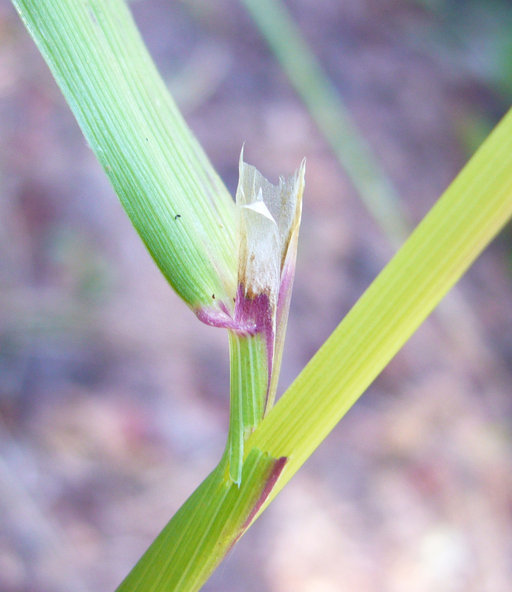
x=269, y=218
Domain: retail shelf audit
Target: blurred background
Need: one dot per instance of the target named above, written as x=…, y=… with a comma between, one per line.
x=114, y=398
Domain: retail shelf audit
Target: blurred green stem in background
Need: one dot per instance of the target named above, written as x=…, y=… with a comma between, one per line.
x=331, y=116
x=325, y=105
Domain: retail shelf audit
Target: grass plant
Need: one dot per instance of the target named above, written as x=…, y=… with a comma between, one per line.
x=233, y=265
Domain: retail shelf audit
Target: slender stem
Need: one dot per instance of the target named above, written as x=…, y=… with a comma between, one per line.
x=204, y=529
x=248, y=390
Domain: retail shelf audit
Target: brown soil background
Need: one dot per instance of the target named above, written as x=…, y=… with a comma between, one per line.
x=113, y=398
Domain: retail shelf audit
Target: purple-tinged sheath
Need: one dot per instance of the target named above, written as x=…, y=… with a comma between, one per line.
x=268, y=222
x=268, y=226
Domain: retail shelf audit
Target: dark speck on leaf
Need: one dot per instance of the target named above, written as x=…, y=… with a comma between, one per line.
x=177, y=216
x=213, y=296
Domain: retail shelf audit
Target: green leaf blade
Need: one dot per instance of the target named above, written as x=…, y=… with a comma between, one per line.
x=173, y=196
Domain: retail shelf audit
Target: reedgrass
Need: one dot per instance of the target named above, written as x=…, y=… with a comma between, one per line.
x=208, y=249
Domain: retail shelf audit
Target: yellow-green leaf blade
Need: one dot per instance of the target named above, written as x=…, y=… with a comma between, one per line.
x=466, y=218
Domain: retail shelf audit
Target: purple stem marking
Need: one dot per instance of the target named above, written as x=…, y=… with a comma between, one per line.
x=276, y=471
